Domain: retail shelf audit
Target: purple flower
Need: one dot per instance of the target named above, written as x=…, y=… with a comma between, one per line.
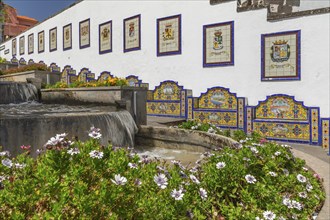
x=119, y=180
x=161, y=180
x=177, y=194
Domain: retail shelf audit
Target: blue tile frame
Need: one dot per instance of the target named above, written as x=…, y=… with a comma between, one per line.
x=64, y=27
x=50, y=38
x=89, y=33
x=298, y=58
x=231, y=62
x=109, y=50
x=179, y=51
x=124, y=33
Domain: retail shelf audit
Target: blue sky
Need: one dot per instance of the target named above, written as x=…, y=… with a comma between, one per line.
x=39, y=9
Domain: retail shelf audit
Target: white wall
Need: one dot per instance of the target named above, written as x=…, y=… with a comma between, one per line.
x=187, y=68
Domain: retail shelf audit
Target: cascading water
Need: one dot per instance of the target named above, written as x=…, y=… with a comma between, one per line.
x=34, y=123
x=13, y=92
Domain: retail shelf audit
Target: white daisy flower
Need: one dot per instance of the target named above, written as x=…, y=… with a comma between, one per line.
x=250, y=179
x=301, y=178
x=220, y=165
x=269, y=215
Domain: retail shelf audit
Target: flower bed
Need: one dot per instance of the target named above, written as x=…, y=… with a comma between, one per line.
x=115, y=81
x=35, y=66
x=76, y=180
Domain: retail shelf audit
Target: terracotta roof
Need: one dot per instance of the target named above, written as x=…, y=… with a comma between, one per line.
x=26, y=18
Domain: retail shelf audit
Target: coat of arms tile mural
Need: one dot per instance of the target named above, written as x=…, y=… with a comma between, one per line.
x=280, y=56
x=132, y=33
x=218, y=44
x=169, y=35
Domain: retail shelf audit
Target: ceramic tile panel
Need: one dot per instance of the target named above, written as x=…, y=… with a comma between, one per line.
x=68, y=75
x=14, y=60
x=86, y=75
x=249, y=117
x=241, y=111
x=54, y=68
x=325, y=122
x=167, y=99
x=167, y=90
x=183, y=102
x=298, y=132
x=169, y=35
x=280, y=56
x=281, y=117
x=217, y=98
x=218, y=44
x=164, y=108
x=22, y=61
x=222, y=119
x=104, y=76
x=190, y=107
x=314, y=112
x=281, y=107
x=31, y=61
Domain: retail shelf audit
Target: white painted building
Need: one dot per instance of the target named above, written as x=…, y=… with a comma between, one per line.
x=243, y=78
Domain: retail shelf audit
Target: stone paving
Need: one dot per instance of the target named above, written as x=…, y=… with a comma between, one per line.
x=315, y=157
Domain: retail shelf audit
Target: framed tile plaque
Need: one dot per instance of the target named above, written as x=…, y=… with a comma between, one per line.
x=30, y=43
x=41, y=41
x=132, y=33
x=53, y=39
x=21, y=45
x=14, y=47
x=218, y=44
x=105, y=37
x=84, y=34
x=280, y=56
x=67, y=37
x=169, y=35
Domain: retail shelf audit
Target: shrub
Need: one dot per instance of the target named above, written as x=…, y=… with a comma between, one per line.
x=35, y=66
x=76, y=180
x=3, y=60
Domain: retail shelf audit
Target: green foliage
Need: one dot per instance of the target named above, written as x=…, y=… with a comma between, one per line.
x=239, y=135
x=60, y=185
x=3, y=60
x=195, y=125
x=30, y=67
